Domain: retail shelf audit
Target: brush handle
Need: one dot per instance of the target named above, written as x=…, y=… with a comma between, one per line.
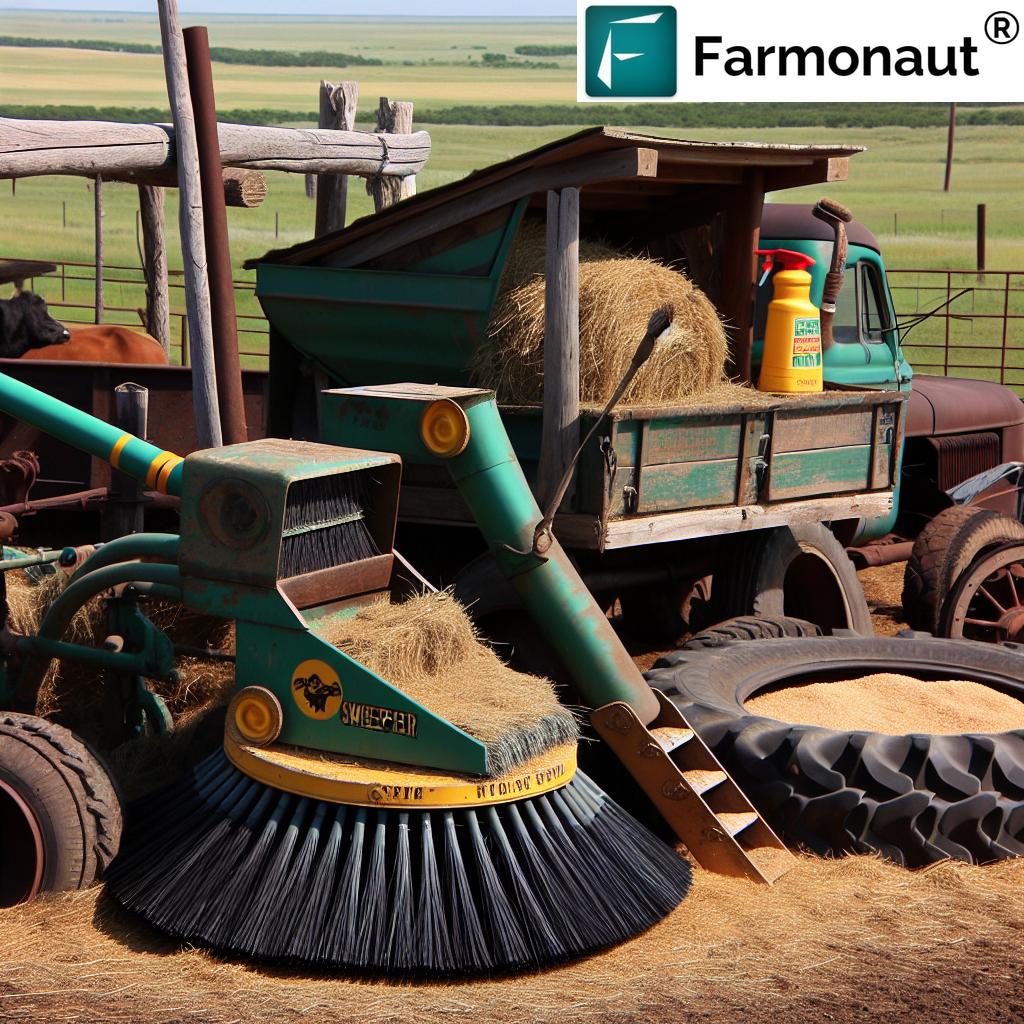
x=160, y=470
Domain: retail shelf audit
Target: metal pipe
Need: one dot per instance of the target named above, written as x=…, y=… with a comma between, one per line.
x=872, y=555
x=215, y=229
x=160, y=546
x=43, y=558
x=160, y=469
x=492, y=484
x=59, y=615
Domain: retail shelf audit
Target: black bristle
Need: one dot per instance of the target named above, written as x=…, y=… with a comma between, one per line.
x=401, y=926
x=372, y=941
x=433, y=941
x=250, y=870
x=324, y=524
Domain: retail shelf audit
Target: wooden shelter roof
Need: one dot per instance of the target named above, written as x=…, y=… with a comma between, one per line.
x=613, y=167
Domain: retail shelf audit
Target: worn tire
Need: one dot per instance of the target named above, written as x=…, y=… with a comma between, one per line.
x=800, y=571
x=942, y=551
x=751, y=627
x=915, y=799
x=70, y=794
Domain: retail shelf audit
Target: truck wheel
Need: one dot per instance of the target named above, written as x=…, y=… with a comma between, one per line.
x=987, y=601
x=60, y=817
x=915, y=799
x=942, y=551
x=751, y=627
x=798, y=572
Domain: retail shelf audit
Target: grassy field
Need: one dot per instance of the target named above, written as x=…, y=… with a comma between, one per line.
x=894, y=187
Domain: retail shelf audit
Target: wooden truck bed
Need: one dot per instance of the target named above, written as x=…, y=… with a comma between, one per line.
x=671, y=473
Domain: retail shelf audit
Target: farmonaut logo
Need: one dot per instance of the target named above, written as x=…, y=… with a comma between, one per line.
x=630, y=51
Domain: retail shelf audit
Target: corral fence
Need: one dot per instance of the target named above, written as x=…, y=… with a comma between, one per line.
x=976, y=329
x=976, y=326
x=70, y=295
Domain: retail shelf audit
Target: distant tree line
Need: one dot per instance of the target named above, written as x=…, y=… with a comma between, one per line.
x=221, y=54
x=547, y=50
x=665, y=115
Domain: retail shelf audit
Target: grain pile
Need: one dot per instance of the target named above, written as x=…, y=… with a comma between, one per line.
x=893, y=704
x=428, y=648
x=617, y=296
x=856, y=939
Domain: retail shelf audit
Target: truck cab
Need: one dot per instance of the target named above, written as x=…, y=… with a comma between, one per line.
x=956, y=428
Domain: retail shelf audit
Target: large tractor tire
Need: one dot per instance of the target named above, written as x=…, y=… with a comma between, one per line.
x=942, y=552
x=751, y=627
x=60, y=816
x=916, y=799
x=798, y=572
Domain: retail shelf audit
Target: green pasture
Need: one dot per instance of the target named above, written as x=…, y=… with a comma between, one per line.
x=392, y=39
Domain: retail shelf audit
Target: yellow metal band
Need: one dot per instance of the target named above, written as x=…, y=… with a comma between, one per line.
x=155, y=466
x=119, y=446
x=165, y=472
x=336, y=780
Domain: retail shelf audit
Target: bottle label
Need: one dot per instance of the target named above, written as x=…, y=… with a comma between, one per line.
x=806, y=342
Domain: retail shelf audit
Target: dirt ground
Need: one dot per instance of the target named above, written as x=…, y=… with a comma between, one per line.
x=849, y=940
x=856, y=939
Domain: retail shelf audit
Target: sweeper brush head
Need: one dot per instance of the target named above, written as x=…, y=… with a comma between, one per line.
x=231, y=864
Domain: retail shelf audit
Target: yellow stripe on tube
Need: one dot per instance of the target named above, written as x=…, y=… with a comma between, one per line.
x=165, y=471
x=157, y=465
x=119, y=446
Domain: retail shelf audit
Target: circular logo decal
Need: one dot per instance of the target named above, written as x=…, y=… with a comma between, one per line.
x=316, y=689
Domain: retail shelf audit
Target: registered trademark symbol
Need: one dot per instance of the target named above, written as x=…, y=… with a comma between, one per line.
x=1002, y=27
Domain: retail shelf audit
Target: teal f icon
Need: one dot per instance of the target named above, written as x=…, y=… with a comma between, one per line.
x=630, y=51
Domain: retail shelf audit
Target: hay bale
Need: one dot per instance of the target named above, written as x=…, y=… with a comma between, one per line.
x=428, y=648
x=617, y=296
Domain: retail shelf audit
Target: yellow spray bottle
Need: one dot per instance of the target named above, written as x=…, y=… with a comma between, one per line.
x=791, y=361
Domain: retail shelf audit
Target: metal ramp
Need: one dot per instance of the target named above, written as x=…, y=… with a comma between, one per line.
x=693, y=792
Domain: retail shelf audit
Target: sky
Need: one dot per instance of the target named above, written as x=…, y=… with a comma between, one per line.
x=379, y=8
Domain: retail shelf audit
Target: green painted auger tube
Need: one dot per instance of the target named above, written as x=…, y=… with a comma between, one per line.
x=158, y=469
x=462, y=427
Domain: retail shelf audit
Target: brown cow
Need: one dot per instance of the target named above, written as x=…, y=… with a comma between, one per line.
x=104, y=343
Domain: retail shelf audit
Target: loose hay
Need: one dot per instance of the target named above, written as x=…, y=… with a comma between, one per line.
x=617, y=296
x=893, y=704
x=428, y=648
x=856, y=939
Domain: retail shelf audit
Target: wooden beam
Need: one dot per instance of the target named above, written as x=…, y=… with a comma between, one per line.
x=835, y=168
x=337, y=111
x=190, y=226
x=736, y=305
x=560, y=431
x=154, y=248
x=392, y=117
x=107, y=147
x=621, y=164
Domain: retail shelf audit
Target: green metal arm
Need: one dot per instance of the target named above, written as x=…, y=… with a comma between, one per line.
x=163, y=547
x=158, y=469
x=166, y=580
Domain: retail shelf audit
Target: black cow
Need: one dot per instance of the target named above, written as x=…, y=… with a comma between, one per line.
x=26, y=323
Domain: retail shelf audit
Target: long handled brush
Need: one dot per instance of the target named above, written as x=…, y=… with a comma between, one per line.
x=225, y=861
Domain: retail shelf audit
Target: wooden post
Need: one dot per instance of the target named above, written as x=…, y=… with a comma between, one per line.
x=560, y=432
x=385, y=188
x=982, y=218
x=193, y=245
x=97, y=197
x=337, y=110
x=154, y=263
x=739, y=270
x=950, y=142
x=224, y=315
